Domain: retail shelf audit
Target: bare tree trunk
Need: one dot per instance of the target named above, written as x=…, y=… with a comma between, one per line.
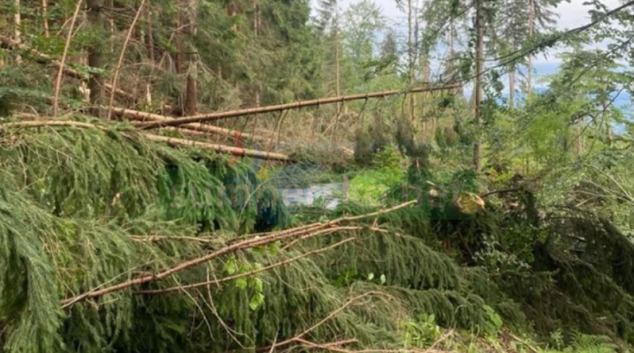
x=417, y=58
x=95, y=59
x=452, y=41
x=149, y=44
x=579, y=140
x=337, y=55
x=191, y=94
x=256, y=32
x=111, y=25
x=512, y=88
x=45, y=17
x=17, y=23
x=531, y=31
x=478, y=82
x=410, y=57
x=606, y=120
x=178, y=58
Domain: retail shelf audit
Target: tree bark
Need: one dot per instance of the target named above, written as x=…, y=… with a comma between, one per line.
x=256, y=32
x=191, y=92
x=149, y=45
x=478, y=82
x=45, y=17
x=17, y=23
x=579, y=139
x=531, y=31
x=410, y=57
x=95, y=59
x=512, y=88
x=606, y=120
x=337, y=55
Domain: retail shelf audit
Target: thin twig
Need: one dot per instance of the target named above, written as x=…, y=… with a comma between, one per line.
x=321, y=322
x=531, y=348
x=60, y=72
x=157, y=238
x=499, y=192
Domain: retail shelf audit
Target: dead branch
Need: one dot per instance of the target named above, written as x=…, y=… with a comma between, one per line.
x=242, y=275
x=246, y=244
x=300, y=336
x=281, y=107
x=336, y=347
x=58, y=81
x=120, y=62
x=157, y=238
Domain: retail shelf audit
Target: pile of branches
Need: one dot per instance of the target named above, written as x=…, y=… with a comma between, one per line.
x=107, y=245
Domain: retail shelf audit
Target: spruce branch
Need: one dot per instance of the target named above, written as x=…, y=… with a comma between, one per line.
x=243, y=245
x=218, y=282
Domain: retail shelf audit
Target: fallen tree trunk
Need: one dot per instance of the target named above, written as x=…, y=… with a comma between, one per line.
x=236, y=151
x=242, y=152
x=144, y=117
x=197, y=129
x=280, y=107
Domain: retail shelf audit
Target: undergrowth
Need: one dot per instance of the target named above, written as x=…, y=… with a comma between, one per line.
x=82, y=209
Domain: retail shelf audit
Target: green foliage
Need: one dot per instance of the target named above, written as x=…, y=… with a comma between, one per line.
x=421, y=333
x=588, y=344
x=369, y=187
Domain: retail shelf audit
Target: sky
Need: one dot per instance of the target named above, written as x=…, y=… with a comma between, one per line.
x=570, y=15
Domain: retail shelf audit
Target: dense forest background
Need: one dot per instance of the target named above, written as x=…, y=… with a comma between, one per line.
x=145, y=146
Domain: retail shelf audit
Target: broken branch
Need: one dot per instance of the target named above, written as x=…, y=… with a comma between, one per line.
x=242, y=245
x=241, y=275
